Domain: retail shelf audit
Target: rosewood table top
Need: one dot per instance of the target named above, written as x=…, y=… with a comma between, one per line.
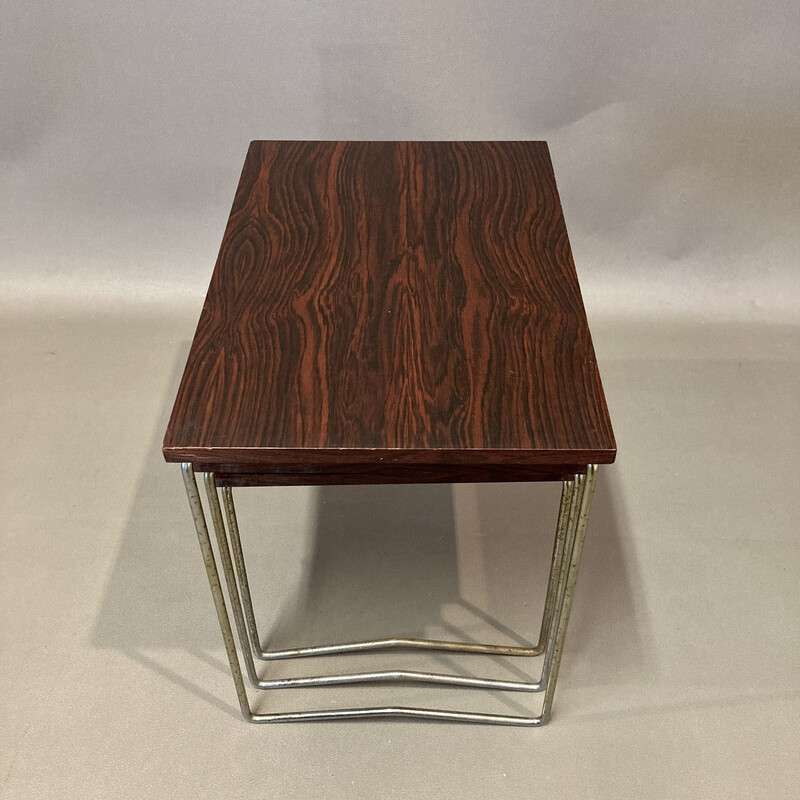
x=393, y=312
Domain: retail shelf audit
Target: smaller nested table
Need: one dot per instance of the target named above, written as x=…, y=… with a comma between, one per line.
x=391, y=312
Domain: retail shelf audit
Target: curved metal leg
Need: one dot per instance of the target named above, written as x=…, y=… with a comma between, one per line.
x=241, y=618
x=576, y=498
x=404, y=643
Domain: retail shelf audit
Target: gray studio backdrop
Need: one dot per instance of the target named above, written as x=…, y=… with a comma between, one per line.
x=674, y=130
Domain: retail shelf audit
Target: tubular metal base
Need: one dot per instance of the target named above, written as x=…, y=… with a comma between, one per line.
x=576, y=498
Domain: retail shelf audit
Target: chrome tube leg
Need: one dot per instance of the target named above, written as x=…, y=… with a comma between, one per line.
x=574, y=489
x=556, y=564
x=241, y=571
x=230, y=578
x=384, y=676
x=556, y=574
x=216, y=589
x=576, y=501
x=571, y=531
x=585, y=485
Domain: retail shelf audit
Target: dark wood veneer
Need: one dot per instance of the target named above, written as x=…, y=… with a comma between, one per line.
x=377, y=305
x=410, y=473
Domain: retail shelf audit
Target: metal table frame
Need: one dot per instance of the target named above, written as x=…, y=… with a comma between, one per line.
x=576, y=497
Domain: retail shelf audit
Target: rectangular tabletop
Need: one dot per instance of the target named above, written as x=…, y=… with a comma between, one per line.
x=378, y=306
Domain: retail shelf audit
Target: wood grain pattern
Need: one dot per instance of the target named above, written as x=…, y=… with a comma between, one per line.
x=379, y=303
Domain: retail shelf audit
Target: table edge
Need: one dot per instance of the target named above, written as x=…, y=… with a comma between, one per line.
x=331, y=458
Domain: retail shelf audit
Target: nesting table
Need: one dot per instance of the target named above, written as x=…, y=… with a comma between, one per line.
x=391, y=312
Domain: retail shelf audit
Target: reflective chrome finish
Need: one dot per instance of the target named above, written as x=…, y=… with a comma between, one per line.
x=243, y=613
x=216, y=589
x=404, y=643
x=579, y=515
x=398, y=711
x=570, y=534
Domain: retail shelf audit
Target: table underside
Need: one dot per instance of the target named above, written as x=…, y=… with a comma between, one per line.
x=231, y=475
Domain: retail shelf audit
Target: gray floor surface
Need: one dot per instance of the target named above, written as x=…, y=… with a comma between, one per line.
x=683, y=657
